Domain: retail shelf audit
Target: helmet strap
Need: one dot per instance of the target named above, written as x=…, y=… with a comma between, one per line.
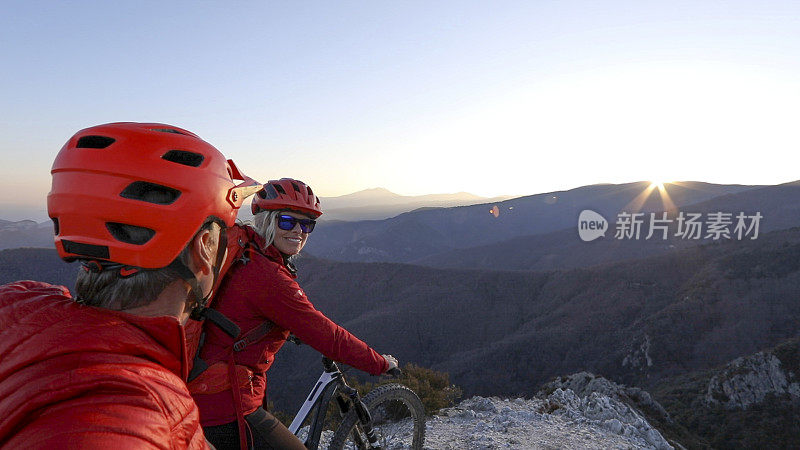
x=200, y=310
x=195, y=291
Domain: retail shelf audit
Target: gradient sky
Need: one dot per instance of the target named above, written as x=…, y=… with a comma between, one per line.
x=505, y=97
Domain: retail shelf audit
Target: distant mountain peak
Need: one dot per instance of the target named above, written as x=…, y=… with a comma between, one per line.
x=456, y=196
x=377, y=192
x=381, y=203
x=382, y=193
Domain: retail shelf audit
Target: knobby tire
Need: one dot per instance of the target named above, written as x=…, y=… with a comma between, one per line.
x=380, y=395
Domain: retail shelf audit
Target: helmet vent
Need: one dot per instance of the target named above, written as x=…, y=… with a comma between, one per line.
x=268, y=192
x=310, y=193
x=151, y=193
x=278, y=188
x=183, y=157
x=130, y=234
x=168, y=130
x=90, y=250
x=296, y=187
x=95, y=142
x=55, y=225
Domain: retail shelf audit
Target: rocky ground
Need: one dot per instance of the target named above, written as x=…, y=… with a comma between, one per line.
x=590, y=417
x=562, y=420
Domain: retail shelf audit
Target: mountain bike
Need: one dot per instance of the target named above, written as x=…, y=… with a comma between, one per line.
x=391, y=416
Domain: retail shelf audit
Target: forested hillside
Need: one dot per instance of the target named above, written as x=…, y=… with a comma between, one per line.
x=752, y=402
x=38, y=264
x=506, y=332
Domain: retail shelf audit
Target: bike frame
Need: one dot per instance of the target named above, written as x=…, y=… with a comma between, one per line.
x=326, y=386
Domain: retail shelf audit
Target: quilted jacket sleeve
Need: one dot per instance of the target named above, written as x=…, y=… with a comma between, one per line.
x=111, y=420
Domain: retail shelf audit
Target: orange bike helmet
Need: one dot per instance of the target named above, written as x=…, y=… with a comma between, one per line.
x=136, y=193
x=287, y=193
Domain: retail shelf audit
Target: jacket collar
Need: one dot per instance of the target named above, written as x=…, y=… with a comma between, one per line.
x=169, y=334
x=51, y=315
x=275, y=255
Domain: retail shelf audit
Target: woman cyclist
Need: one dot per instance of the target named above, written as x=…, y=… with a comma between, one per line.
x=260, y=294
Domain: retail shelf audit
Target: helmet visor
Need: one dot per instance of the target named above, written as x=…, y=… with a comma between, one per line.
x=247, y=187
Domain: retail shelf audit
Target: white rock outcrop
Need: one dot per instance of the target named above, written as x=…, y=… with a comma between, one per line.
x=585, y=383
x=748, y=380
x=603, y=411
x=562, y=420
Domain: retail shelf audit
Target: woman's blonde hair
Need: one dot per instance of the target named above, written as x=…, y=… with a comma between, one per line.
x=264, y=224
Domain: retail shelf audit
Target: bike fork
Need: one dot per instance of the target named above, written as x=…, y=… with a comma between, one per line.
x=364, y=417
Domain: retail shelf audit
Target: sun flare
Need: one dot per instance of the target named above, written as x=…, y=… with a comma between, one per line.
x=656, y=187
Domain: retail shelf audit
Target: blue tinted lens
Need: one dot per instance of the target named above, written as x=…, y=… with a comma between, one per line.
x=288, y=222
x=307, y=225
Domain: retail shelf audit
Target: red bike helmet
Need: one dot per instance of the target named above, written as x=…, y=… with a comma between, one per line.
x=136, y=193
x=287, y=193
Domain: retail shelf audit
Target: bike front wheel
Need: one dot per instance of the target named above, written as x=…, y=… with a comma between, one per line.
x=398, y=418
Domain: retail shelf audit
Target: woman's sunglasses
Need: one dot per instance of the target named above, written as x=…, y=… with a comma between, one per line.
x=287, y=223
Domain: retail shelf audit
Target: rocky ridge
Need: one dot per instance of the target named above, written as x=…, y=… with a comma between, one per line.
x=622, y=409
x=593, y=416
x=561, y=420
x=747, y=381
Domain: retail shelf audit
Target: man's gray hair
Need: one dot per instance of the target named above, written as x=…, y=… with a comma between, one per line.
x=107, y=289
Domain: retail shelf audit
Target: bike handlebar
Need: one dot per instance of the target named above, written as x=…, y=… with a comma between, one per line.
x=330, y=365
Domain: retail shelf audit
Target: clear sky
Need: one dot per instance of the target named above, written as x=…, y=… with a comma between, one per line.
x=490, y=97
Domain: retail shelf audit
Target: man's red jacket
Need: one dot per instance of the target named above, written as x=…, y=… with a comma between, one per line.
x=264, y=289
x=75, y=376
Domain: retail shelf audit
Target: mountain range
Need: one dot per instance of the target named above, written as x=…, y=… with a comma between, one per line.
x=25, y=233
x=427, y=235
x=563, y=249
x=380, y=203
x=369, y=204
x=414, y=236
x=384, y=197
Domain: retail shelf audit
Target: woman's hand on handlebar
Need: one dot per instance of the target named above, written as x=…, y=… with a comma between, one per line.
x=393, y=369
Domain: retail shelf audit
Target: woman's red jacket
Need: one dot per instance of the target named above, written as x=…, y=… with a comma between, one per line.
x=251, y=293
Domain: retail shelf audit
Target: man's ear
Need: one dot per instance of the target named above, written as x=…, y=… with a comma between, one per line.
x=202, y=249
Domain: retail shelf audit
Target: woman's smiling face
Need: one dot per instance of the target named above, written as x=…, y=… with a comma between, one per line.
x=290, y=242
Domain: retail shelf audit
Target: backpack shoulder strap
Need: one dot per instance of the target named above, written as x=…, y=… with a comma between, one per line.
x=252, y=336
x=239, y=244
x=242, y=240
